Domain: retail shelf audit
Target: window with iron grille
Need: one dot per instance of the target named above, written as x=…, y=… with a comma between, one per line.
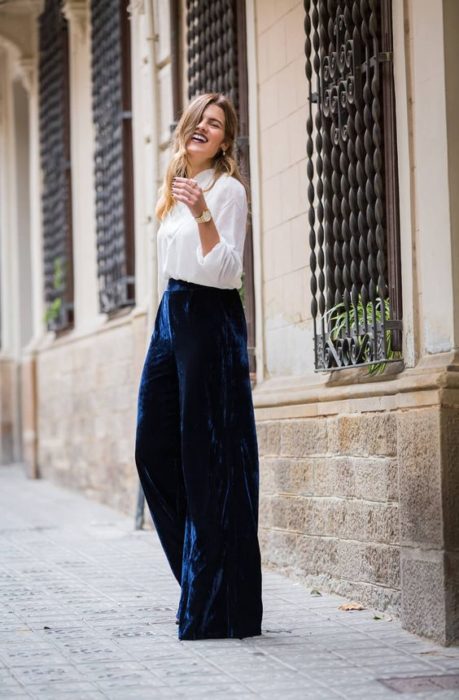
x=352, y=183
x=111, y=97
x=54, y=124
x=217, y=62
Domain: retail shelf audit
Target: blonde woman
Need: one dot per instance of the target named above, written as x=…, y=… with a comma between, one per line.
x=196, y=445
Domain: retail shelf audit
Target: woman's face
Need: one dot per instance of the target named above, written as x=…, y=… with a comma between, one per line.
x=208, y=138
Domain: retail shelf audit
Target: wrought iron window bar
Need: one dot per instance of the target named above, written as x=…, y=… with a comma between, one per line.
x=110, y=54
x=352, y=183
x=54, y=125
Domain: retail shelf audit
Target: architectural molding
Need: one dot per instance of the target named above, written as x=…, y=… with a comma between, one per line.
x=136, y=7
x=324, y=394
x=18, y=21
x=25, y=69
x=76, y=12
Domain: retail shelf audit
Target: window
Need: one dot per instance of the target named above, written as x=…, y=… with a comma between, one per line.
x=56, y=167
x=111, y=70
x=352, y=183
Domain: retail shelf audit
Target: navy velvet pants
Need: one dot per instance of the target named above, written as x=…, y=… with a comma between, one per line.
x=197, y=458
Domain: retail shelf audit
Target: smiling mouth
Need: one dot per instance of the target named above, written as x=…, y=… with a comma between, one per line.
x=199, y=138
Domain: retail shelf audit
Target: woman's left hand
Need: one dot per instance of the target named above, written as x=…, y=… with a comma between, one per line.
x=190, y=193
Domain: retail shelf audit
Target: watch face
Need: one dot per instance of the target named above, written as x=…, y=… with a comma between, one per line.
x=206, y=215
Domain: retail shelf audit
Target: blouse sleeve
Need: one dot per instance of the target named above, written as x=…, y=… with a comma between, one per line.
x=162, y=277
x=222, y=266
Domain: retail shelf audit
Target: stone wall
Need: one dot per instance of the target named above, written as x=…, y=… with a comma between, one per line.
x=329, y=503
x=363, y=502
x=87, y=391
x=9, y=427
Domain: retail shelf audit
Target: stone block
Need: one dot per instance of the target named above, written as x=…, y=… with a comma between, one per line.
x=299, y=514
x=418, y=441
x=315, y=555
x=268, y=437
x=286, y=512
x=369, y=563
x=293, y=476
x=303, y=437
x=334, y=478
x=423, y=593
x=452, y=597
x=356, y=520
x=357, y=477
x=450, y=476
x=277, y=547
x=383, y=523
x=376, y=479
x=368, y=434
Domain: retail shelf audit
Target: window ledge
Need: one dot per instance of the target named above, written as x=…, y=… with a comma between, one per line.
x=353, y=390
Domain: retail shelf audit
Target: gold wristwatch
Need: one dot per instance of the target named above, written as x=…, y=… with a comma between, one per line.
x=204, y=218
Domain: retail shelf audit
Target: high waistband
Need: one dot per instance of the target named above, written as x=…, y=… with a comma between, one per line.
x=177, y=285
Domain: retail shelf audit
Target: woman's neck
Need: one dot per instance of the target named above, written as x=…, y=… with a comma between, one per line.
x=196, y=169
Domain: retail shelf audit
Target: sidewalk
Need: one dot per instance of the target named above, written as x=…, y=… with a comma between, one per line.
x=87, y=608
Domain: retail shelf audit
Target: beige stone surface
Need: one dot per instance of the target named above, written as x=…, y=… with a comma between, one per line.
x=450, y=476
x=375, y=479
x=9, y=439
x=299, y=438
x=452, y=596
x=29, y=414
x=423, y=611
x=372, y=434
x=87, y=393
x=418, y=443
x=287, y=476
x=282, y=117
x=323, y=563
x=268, y=436
x=329, y=495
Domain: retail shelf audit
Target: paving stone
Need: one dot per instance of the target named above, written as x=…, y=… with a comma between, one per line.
x=87, y=608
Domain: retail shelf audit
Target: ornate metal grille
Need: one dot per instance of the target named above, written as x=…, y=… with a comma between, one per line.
x=352, y=192
x=113, y=154
x=55, y=165
x=212, y=48
x=217, y=62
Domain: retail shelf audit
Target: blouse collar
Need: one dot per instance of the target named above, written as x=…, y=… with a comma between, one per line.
x=204, y=175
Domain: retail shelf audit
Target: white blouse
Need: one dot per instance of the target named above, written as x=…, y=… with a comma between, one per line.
x=179, y=245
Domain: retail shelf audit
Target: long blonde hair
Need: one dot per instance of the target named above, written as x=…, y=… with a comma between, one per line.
x=179, y=166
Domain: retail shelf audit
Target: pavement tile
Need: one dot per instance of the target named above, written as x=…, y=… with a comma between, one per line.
x=87, y=608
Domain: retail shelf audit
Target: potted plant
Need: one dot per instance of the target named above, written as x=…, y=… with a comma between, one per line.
x=359, y=318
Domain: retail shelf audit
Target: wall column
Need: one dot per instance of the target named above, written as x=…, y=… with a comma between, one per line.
x=82, y=156
x=428, y=442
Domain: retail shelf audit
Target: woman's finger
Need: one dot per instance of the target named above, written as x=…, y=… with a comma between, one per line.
x=184, y=179
x=187, y=186
x=192, y=197
x=182, y=198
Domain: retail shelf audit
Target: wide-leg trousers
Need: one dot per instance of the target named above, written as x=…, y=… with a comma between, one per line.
x=197, y=458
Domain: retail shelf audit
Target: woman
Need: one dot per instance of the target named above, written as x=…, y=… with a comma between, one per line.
x=196, y=445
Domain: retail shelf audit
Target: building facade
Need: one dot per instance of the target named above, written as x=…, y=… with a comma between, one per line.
x=349, y=139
